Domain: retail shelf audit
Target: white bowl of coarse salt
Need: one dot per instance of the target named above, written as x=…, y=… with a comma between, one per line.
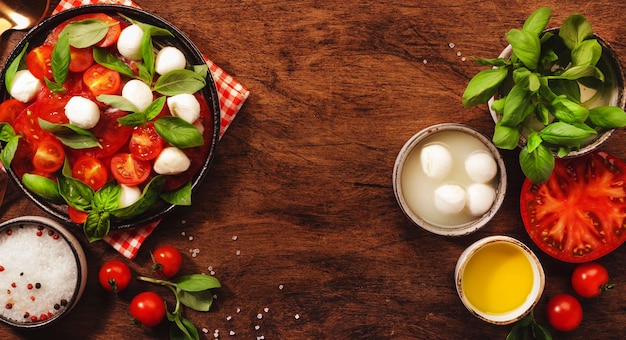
x=43, y=271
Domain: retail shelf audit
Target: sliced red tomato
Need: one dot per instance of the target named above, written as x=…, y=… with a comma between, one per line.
x=145, y=143
x=110, y=133
x=9, y=109
x=76, y=215
x=80, y=59
x=49, y=155
x=26, y=123
x=102, y=80
x=91, y=171
x=38, y=61
x=579, y=213
x=128, y=170
x=111, y=37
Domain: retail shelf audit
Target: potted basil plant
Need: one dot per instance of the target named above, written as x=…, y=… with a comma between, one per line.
x=552, y=92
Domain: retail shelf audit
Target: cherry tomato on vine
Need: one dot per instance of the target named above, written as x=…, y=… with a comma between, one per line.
x=114, y=276
x=148, y=308
x=590, y=279
x=166, y=261
x=564, y=312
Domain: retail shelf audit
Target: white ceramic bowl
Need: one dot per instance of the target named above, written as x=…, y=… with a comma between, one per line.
x=537, y=279
x=406, y=186
x=43, y=271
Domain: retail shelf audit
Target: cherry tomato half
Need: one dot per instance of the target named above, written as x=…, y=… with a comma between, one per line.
x=109, y=39
x=9, y=109
x=166, y=261
x=114, y=276
x=564, y=312
x=102, y=80
x=128, y=170
x=80, y=59
x=76, y=215
x=148, y=308
x=145, y=143
x=49, y=155
x=590, y=279
x=91, y=171
x=38, y=61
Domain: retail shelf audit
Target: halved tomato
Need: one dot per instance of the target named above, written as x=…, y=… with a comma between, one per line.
x=111, y=37
x=80, y=59
x=579, y=213
x=128, y=170
x=145, y=143
x=38, y=62
x=102, y=80
x=76, y=215
x=9, y=109
x=91, y=171
x=49, y=155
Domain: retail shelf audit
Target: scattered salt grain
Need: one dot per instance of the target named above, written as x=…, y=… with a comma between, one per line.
x=297, y=316
x=228, y=318
x=183, y=221
x=266, y=309
x=238, y=310
x=259, y=316
x=231, y=333
x=190, y=238
x=425, y=61
x=281, y=287
x=183, y=233
x=205, y=330
x=238, y=252
x=257, y=327
x=451, y=45
x=463, y=59
x=235, y=238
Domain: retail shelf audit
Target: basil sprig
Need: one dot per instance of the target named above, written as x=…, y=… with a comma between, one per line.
x=543, y=101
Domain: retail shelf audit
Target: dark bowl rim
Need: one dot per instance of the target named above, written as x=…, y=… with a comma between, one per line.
x=209, y=93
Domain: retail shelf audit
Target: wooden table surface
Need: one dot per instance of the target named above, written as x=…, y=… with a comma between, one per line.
x=297, y=217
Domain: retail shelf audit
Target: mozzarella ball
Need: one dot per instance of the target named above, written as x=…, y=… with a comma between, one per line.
x=25, y=86
x=436, y=161
x=169, y=59
x=450, y=198
x=82, y=112
x=138, y=93
x=481, y=166
x=129, y=42
x=480, y=198
x=171, y=161
x=184, y=106
x=128, y=195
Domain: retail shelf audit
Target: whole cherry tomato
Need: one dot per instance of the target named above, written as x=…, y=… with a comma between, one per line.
x=590, y=279
x=166, y=261
x=114, y=276
x=148, y=308
x=564, y=312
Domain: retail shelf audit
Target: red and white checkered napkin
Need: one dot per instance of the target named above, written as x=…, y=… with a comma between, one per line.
x=231, y=94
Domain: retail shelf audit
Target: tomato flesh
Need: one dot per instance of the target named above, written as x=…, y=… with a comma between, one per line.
x=9, y=109
x=80, y=59
x=578, y=214
x=49, y=156
x=128, y=170
x=102, y=80
x=91, y=171
x=145, y=143
x=38, y=62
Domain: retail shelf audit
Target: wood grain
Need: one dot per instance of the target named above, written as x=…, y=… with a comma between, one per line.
x=298, y=214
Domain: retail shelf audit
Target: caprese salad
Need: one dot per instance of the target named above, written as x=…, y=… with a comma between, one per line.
x=105, y=119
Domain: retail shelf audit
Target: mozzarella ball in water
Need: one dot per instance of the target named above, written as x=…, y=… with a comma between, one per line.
x=129, y=42
x=480, y=198
x=169, y=59
x=184, y=106
x=171, y=161
x=450, y=198
x=481, y=167
x=24, y=86
x=436, y=161
x=138, y=93
x=82, y=112
x=128, y=195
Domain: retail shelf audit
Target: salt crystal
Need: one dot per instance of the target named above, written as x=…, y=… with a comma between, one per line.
x=238, y=252
x=182, y=233
x=257, y=327
x=266, y=309
x=235, y=238
x=281, y=287
x=205, y=330
x=238, y=310
x=297, y=316
x=231, y=333
x=183, y=221
x=463, y=59
x=451, y=45
x=458, y=54
x=210, y=268
x=425, y=61
x=190, y=238
x=259, y=316
x=228, y=318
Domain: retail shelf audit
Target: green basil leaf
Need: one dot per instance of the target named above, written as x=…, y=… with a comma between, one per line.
x=533, y=142
x=178, y=82
x=533, y=83
x=149, y=196
x=587, y=52
x=118, y=102
x=199, y=301
x=517, y=107
x=108, y=60
x=87, y=32
x=526, y=46
x=153, y=30
x=71, y=135
x=577, y=72
x=568, y=111
x=154, y=108
x=60, y=62
x=178, y=132
x=182, y=329
x=8, y=151
x=107, y=198
x=483, y=86
x=202, y=70
x=563, y=134
x=548, y=57
x=520, y=76
x=607, y=117
x=505, y=137
x=181, y=196
x=574, y=30
x=196, y=282
x=6, y=132
x=537, y=166
x=498, y=105
x=133, y=119
x=540, y=332
x=543, y=114
x=147, y=53
x=97, y=225
x=13, y=68
x=538, y=20
x=53, y=86
x=144, y=73
x=76, y=193
x=564, y=87
x=42, y=186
